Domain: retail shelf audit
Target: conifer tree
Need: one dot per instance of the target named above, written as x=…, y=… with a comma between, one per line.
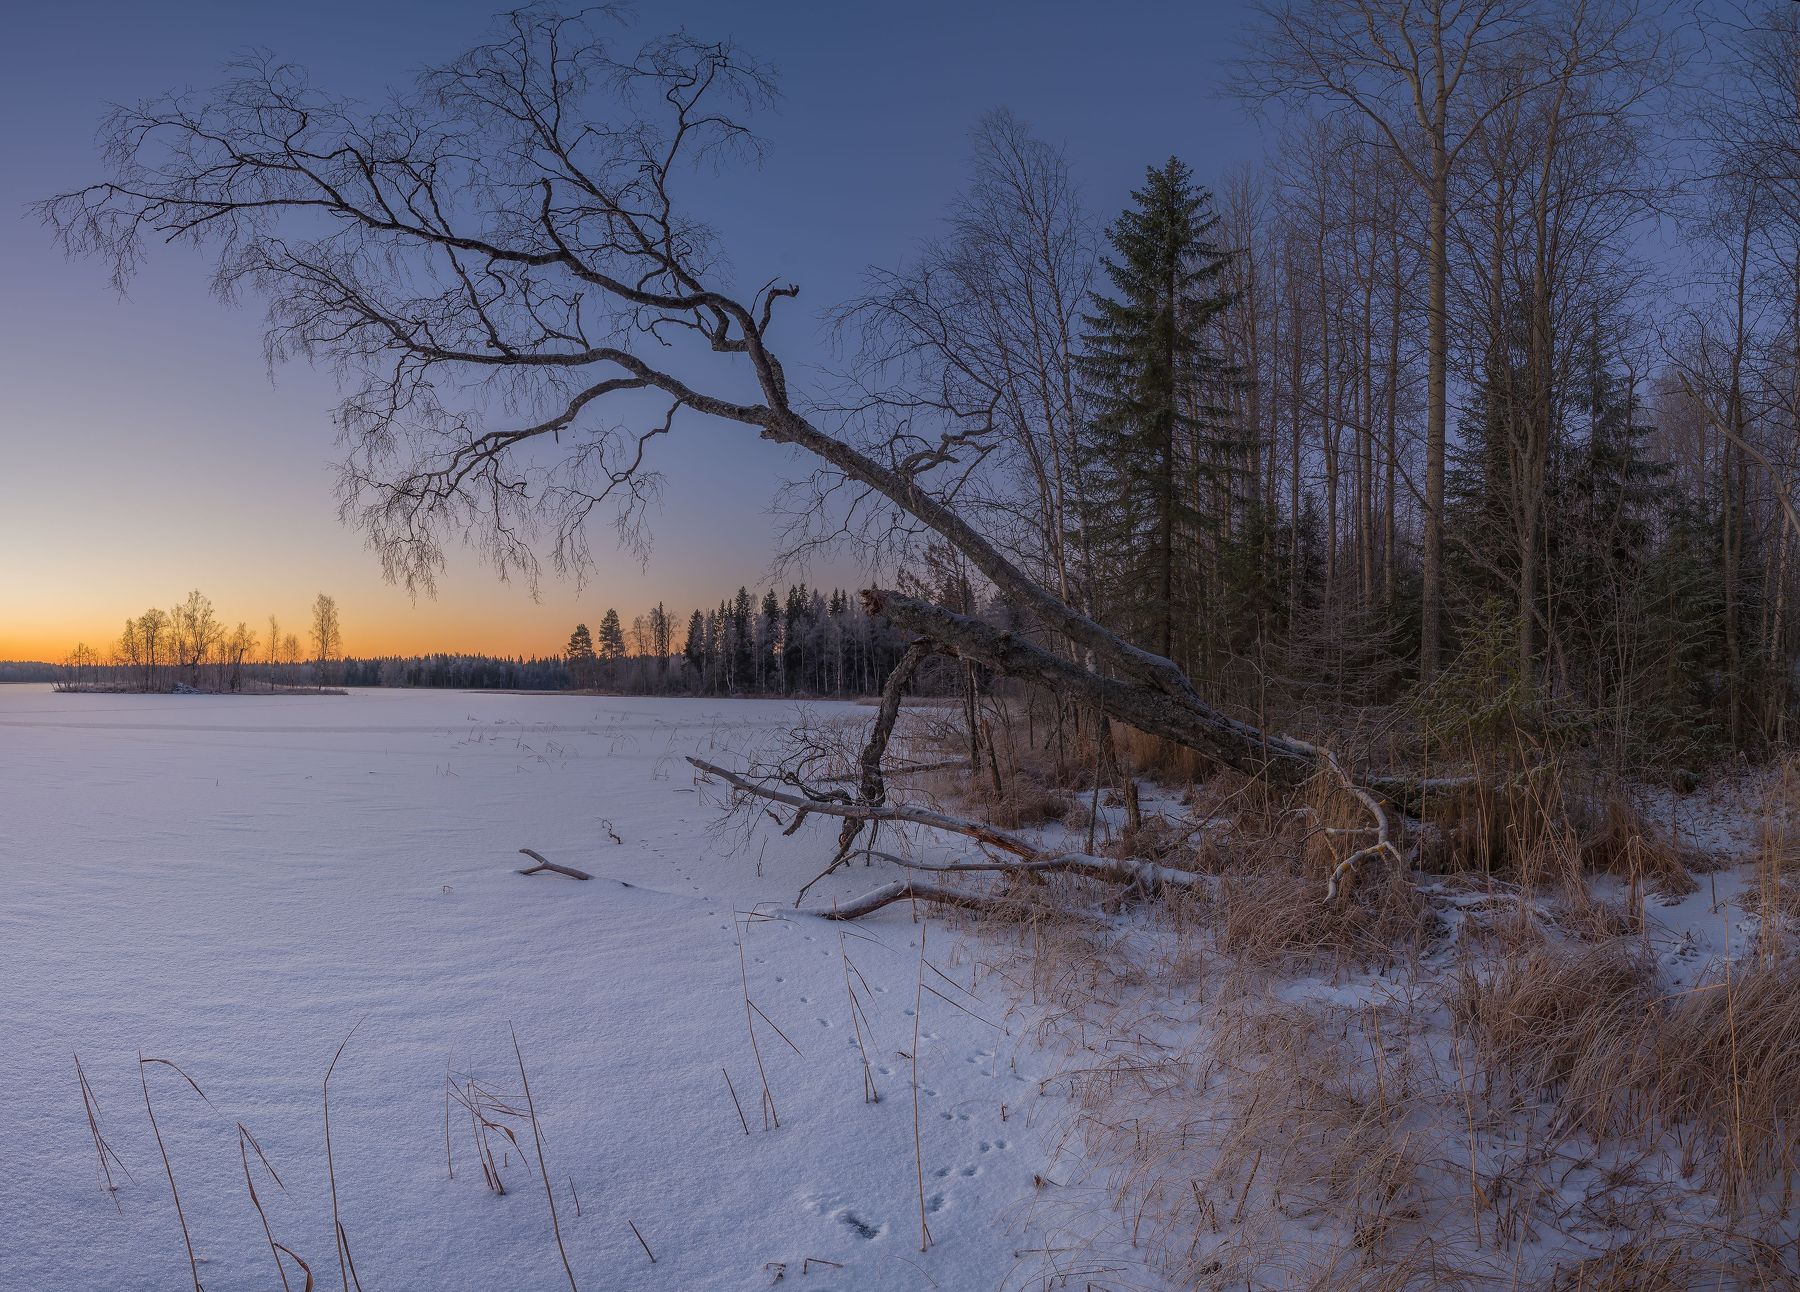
x=695, y=648
x=612, y=637
x=743, y=646
x=1157, y=450
x=580, y=655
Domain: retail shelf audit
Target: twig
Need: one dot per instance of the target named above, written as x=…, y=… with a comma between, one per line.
x=641, y=1242
x=545, y=864
x=169, y=1170
x=346, y=1266
x=768, y=1104
x=537, y=1137
x=274, y=1247
x=734, y=1101
x=1345, y=868
x=102, y=1150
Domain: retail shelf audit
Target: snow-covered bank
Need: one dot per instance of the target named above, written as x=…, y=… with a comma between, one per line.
x=233, y=883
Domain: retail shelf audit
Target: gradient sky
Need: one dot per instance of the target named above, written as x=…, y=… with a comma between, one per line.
x=144, y=449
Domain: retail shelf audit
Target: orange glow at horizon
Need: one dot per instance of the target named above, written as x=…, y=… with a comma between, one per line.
x=479, y=615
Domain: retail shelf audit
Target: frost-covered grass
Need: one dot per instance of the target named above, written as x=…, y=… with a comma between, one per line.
x=237, y=884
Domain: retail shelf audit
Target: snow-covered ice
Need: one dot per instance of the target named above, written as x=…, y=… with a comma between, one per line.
x=235, y=883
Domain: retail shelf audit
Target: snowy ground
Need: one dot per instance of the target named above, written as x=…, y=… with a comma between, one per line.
x=235, y=883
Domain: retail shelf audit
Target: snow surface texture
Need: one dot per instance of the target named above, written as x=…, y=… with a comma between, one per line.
x=235, y=883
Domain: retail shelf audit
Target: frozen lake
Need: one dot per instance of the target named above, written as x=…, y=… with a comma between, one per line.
x=235, y=883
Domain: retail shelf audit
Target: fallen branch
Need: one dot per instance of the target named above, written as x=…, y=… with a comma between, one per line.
x=1004, y=840
x=1383, y=845
x=1149, y=692
x=543, y=863
x=905, y=769
x=870, y=787
x=1144, y=875
x=904, y=890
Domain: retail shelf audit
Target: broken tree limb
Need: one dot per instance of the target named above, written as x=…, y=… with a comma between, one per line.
x=544, y=863
x=1143, y=875
x=871, y=788
x=1005, y=840
x=906, y=890
x=907, y=769
x=1151, y=702
x=1152, y=697
x=1383, y=845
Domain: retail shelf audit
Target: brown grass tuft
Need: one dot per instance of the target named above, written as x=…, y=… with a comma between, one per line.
x=1731, y=1070
x=1576, y=1026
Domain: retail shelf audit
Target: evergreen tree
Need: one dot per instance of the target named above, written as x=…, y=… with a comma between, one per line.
x=662, y=637
x=772, y=661
x=695, y=648
x=1157, y=451
x=794, y=629
x=580, y=654
x=612, y=637
x=743, y=643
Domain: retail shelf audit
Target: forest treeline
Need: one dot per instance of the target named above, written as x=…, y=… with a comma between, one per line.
x=803, y=642
x=189, y=646
x=1480, y=396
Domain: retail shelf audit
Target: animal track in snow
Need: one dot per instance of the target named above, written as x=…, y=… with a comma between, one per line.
x=847, y=1217
x=857, y=1225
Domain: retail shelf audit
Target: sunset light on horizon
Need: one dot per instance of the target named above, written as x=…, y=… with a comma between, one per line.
x=175, y=462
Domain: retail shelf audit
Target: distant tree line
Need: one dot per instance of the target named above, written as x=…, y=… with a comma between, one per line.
x=189, y=647
x=803, y=642
x=806, y=642
x=460, y=672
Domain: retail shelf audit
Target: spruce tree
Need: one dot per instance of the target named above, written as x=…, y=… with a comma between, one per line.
x=612, y=636
x=774, y=662
x=1157, y=449
x=581, y=656
x=743, y=643
x=695, y=648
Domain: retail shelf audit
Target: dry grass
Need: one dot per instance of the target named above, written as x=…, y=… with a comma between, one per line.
x=1022, y=802
x=1159, y=759
x=1572, y=1027
x=104, y=1156
x=1324, y=1144
x=1729, y=1073
x=1682, y=1259
x=1521, y=1105
x=1549, y=826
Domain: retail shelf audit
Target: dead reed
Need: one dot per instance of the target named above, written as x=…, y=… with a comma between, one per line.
x=537, y=1136
x=103, y=1152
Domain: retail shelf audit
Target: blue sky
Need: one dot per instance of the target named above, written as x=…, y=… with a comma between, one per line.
x=144, y=450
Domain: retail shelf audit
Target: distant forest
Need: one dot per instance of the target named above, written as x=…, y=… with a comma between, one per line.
x=806, y=642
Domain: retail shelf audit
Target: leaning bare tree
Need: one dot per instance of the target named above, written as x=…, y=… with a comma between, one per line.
x=505, y=270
